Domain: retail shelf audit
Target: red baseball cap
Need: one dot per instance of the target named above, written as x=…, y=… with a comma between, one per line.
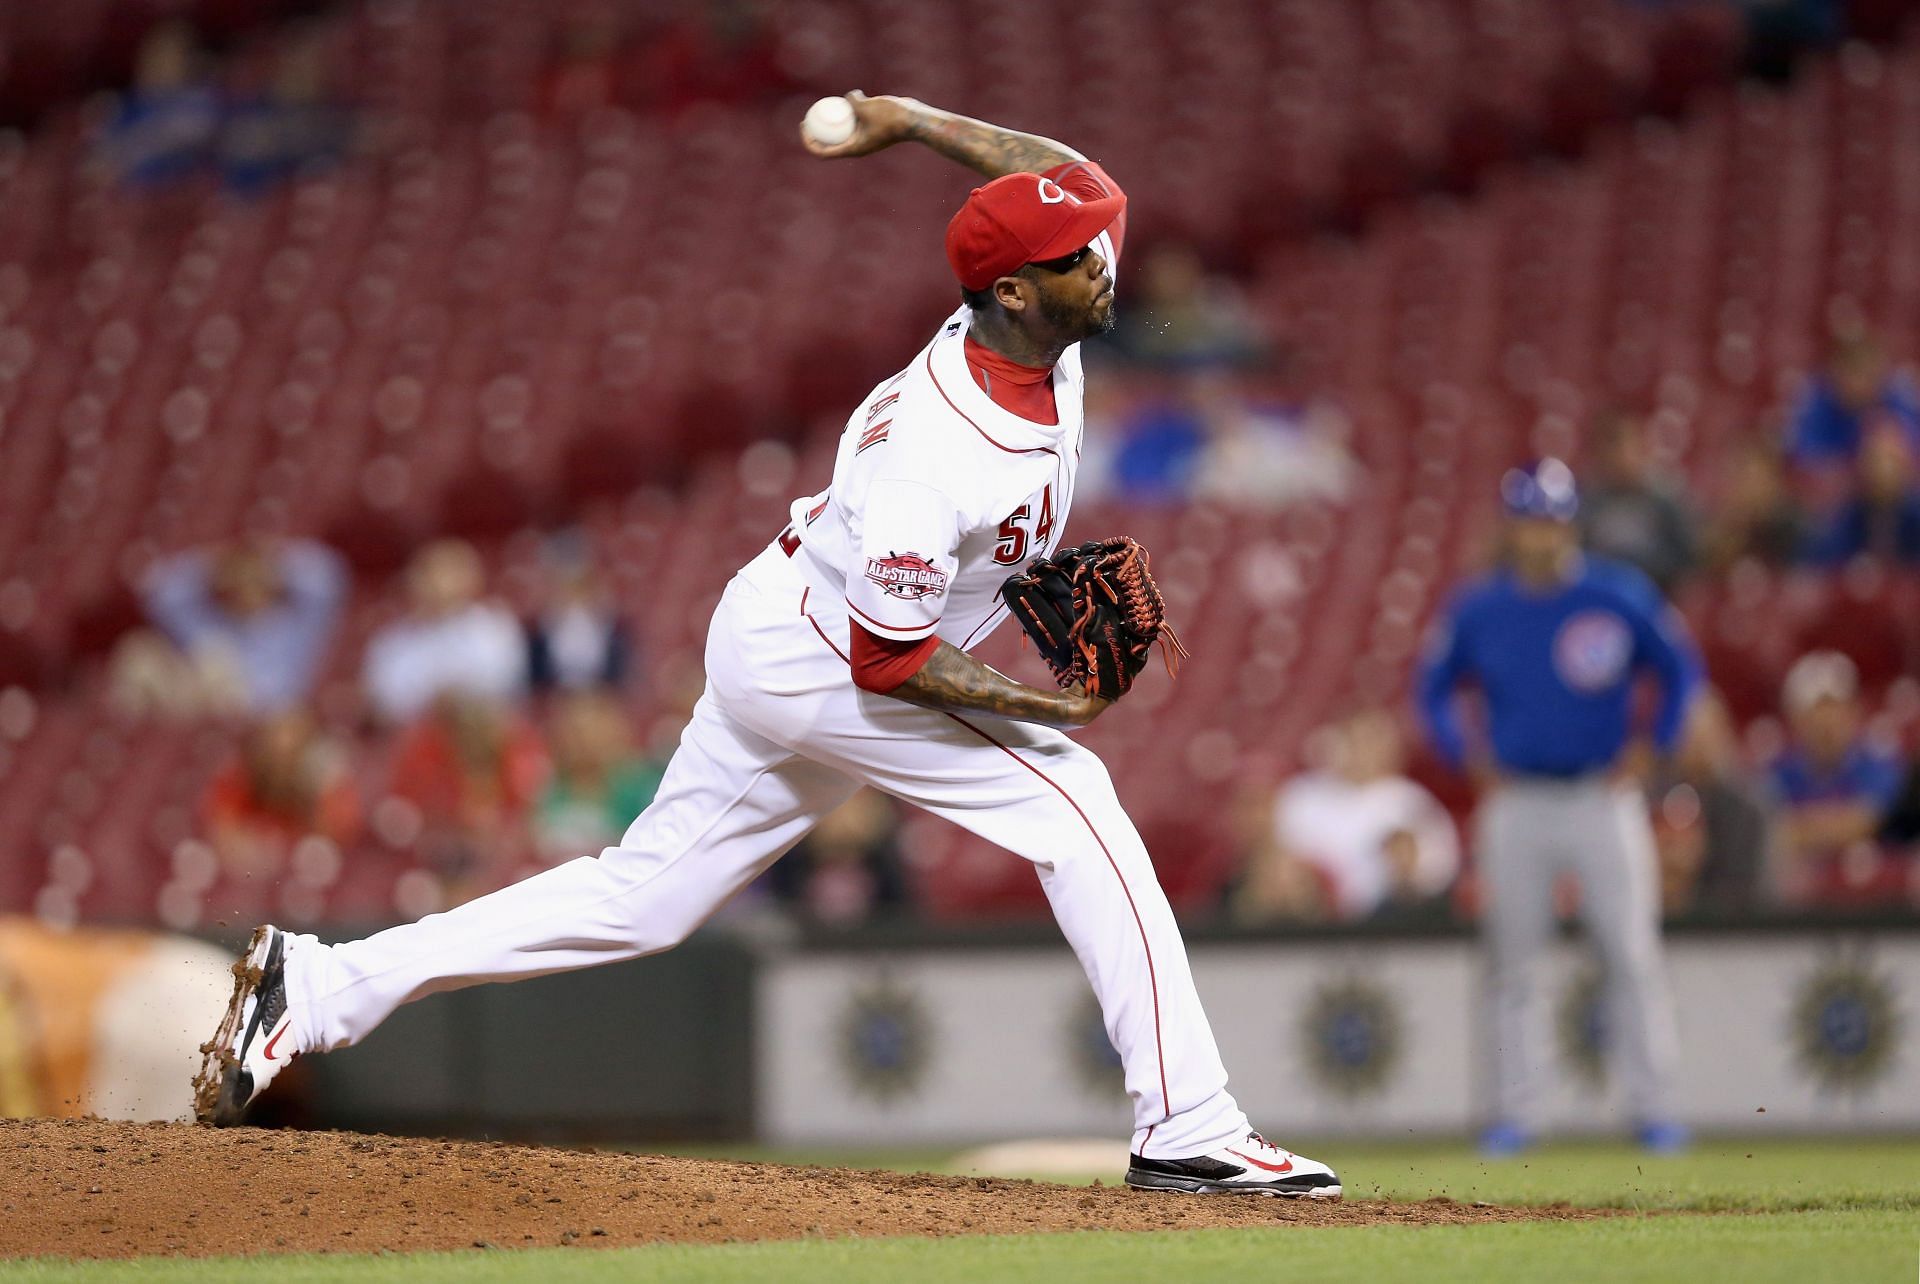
x=1019, y=219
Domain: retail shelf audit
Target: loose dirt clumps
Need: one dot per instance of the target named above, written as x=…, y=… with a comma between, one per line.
x=89, y=1188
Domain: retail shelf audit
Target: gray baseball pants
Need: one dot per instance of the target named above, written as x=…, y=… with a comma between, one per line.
x=1532, y=830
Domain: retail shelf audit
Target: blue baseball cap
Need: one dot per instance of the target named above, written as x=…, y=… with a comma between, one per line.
x=1542, y=489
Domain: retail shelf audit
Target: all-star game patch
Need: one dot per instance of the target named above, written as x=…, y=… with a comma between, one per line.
x=906, y=575
x=1351, y=1031
x=885, y=1040
x=1845, y=1026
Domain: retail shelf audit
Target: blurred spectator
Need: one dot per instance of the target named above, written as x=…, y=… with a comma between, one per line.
x=1857, y=385
x=600, y=782
x=1206, y=437
x=271, y=133
x=1179, y=316
x=1158, y=450
x=1353, y=838
x=1882, y=520
x=1710, y=821
x=472, y=769
x=1262, y=454
x=257, y=614
x=285, y=784
x=1758, y=515
x=163, y=127
x=149, y=677
x=1631, y=514
x=1834, y=787
x=450, y=641
x=849, y=869
x=578, y=639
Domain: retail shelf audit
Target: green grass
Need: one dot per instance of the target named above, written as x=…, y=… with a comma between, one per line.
x=1755, y=1176
x=1832, y=1211
x=1770, y=1175
x=1791, y=1248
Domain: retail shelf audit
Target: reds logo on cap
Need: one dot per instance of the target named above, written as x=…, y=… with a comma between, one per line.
x=906, y=575
x=1019, y=219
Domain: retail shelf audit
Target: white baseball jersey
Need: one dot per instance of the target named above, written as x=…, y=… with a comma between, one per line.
x=938, y=495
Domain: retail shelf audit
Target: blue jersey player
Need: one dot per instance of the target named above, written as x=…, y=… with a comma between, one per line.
x=1556, y=643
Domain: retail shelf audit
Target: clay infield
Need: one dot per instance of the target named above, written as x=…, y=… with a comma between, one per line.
x=90, y=1188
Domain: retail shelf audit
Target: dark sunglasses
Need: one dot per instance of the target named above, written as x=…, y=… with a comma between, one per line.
x=1065, y=263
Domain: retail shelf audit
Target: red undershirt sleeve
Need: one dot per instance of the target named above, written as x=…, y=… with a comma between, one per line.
x=881, y=664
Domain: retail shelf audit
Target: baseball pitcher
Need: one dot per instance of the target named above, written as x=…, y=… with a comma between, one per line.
x=838, y=658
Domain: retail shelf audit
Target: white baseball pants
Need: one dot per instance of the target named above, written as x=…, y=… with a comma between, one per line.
x=781, y=737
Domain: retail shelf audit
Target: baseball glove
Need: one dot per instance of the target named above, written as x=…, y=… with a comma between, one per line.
x=1094, y=613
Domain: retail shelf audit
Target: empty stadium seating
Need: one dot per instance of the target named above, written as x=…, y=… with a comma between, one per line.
x=489, y=319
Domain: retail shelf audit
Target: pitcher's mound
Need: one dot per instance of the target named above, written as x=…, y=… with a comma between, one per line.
x=89, y=1188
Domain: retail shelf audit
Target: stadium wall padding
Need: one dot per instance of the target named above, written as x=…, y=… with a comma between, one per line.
x=659, y=1047
x=1790, y=1031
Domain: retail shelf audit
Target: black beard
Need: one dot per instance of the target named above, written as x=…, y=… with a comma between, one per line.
x=1058, y=314
x=1061, y=317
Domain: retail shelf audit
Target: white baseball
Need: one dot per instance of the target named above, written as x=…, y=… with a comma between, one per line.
x=829, y=122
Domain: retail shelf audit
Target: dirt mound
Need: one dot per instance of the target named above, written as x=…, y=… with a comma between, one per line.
x=87, y=1188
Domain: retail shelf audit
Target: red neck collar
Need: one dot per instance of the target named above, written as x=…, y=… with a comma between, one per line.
x=1026, y=391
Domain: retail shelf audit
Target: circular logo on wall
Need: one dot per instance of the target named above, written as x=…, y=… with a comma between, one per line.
x=1089, y=1050
x=1351, y=1031
x=1592, y=649
x=1580, y=1021
x=1845, y=1027
x=884, y=1041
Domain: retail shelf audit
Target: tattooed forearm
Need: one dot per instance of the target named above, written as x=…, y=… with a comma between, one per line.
x=989, y=149
x=953, y=681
